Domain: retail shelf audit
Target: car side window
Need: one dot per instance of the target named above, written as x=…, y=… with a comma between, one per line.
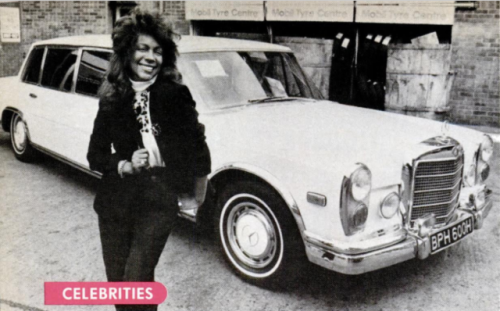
x=32, y=73
x=92, y=70
x=59, y=68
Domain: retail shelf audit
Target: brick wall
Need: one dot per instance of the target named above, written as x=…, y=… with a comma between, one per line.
x=475, y=96
x=175, y=10
x=9, y=52
x=42, y=20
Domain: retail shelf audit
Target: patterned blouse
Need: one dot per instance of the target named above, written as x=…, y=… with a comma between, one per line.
x=148, y=130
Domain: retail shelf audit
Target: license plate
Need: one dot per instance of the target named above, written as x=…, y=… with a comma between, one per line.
x=449, y=236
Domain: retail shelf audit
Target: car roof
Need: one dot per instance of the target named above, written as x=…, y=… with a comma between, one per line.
x=187, y=44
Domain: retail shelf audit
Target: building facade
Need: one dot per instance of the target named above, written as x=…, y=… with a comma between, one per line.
x=475, y=96
x=345, y=49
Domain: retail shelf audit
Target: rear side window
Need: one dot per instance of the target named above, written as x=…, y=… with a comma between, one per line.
x=59, y=68
x=32, y=73
x=92, y=71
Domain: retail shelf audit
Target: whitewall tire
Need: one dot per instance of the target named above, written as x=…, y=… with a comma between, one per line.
x=20, y=139
x=256, y=232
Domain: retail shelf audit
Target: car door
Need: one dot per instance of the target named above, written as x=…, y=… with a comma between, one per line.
x=48, y=98
x=28, y=95
x=64, y=103
x=81, y=112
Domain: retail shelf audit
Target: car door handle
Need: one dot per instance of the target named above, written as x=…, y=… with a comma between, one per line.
x=33, y=95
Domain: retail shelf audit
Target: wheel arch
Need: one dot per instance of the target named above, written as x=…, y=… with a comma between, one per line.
x=7, y=115
x=243, y=171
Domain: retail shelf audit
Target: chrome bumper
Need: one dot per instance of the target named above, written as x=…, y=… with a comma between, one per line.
x=411, y=247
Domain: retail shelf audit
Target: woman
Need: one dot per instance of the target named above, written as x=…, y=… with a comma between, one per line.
x=148, y=145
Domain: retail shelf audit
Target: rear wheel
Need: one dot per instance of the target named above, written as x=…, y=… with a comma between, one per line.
x=257, y=232
x=20, y=140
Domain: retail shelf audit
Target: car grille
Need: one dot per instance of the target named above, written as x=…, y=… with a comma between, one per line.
x=436, y=187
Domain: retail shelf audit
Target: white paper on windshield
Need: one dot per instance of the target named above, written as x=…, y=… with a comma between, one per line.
x=210, y=68
x=345, y=43
x=276, y=87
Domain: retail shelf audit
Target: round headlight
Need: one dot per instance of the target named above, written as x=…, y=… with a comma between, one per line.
x=361, y=183
x=486, y=148
x=470, y=176
x=390, y=205
x=483, y=171
x=359, y=216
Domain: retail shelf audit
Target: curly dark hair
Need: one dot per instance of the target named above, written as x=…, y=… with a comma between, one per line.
x=125, y=35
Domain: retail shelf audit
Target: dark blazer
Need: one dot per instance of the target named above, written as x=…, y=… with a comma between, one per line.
x=181, y=141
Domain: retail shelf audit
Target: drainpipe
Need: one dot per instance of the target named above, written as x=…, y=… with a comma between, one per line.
x=355, y=58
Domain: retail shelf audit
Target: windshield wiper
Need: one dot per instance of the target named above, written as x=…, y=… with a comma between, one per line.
x=270, y=99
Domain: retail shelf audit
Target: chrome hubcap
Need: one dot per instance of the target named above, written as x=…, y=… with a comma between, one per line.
x=19, y=134
x=251, y=235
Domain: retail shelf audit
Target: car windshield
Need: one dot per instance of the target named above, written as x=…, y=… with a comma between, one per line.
x=229, y=79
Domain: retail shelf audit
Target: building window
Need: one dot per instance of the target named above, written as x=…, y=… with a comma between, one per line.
x=121, y=8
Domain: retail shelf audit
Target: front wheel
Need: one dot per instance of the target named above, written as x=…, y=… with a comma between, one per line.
x=257, y=232
x=20, y=139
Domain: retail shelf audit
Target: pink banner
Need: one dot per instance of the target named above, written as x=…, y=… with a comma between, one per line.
x=104, y=293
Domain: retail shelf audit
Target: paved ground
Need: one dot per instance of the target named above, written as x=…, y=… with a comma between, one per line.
x=48, y=232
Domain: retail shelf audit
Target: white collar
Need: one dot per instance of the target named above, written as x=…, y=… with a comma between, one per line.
x=140, y=86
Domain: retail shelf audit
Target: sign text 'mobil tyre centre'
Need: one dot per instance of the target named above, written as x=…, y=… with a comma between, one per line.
x=386, y=12
x=310, y=11
x=225, y=10
x=410, y=12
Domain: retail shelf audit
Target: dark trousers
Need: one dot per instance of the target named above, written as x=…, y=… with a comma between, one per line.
x=132, y=245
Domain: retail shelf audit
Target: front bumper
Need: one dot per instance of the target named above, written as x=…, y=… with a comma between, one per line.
x=412, y=246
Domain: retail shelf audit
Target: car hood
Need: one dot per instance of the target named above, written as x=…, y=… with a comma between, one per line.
x=330, y=136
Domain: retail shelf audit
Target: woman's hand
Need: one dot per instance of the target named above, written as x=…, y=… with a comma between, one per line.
x=138, y=163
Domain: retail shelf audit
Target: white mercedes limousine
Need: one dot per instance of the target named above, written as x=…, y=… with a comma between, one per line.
x=353, y=189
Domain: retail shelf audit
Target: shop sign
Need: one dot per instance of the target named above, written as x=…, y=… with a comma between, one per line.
x=313, y=11
x=431, y=12
x=10, y=28
x=225, y=10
